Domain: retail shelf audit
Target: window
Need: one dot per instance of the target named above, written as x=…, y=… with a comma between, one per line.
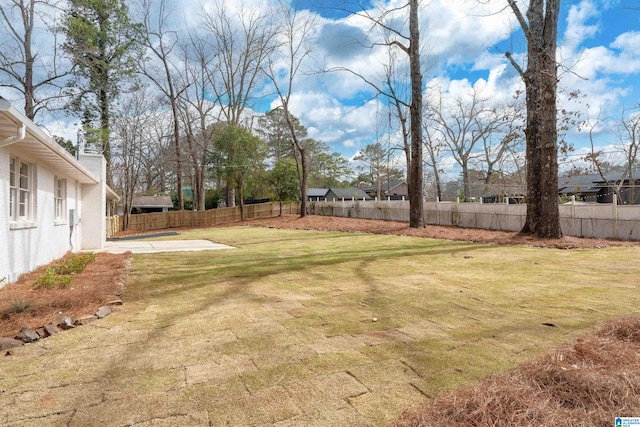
x=21, y=190
x=60, y=196
x=12, y=187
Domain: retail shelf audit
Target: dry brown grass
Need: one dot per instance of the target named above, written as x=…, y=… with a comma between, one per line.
x=24, y=304
x=585, y=383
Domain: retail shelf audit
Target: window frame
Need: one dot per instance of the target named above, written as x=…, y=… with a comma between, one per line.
x=22, y=193
x=59, y=200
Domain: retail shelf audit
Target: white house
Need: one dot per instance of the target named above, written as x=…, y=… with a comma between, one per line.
x=51, y=202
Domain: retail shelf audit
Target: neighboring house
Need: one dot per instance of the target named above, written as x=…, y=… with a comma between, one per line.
x=151, y=204
x=338, y=194
x=593, y=188
x=51, y=202
x=394, y=189
x=503, y=197
x=316, y=194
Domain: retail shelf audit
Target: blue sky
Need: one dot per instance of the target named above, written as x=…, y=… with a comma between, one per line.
x=463, y=42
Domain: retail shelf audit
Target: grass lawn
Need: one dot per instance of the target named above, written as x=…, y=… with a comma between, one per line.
x=447, y=312
x=323, y=328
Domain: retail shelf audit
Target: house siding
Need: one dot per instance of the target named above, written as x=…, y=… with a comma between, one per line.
x=93, y=226
x=24, y=249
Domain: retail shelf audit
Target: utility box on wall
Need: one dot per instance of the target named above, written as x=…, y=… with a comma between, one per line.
x=73, y=218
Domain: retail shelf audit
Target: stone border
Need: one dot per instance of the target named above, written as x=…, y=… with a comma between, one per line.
x=28, y=335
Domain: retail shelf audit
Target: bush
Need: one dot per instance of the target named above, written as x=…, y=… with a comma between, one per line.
x=60, y=275
x=18, y=305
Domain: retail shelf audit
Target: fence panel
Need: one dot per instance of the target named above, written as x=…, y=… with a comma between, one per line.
x=209, y=218
x=597, y=221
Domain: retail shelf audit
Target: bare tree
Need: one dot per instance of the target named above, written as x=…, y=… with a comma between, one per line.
x=24, y=67
x=243, y=42
x=243, y=39
x=627, y=131
x=462, y=125
x=158, y=66
x=434, y=146
x=295, y=29
x=540, y=77
x=134, y=141
x=198, y=112
x=505, y=138
x=410, y=45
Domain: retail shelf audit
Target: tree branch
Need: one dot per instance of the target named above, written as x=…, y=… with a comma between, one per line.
x=514, y=64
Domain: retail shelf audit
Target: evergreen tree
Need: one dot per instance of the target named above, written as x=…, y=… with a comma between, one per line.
x=100, y=40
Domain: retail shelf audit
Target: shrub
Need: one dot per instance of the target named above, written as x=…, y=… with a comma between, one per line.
x=60, y=275
x=18, y=305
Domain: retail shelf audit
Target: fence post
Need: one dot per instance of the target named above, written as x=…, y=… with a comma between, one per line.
x=615, y=215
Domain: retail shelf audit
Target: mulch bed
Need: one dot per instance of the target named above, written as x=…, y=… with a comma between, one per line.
x=586, y=383
x=22, y=304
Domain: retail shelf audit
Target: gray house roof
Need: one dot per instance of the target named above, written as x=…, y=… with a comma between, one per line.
x=384, y=186
x=152, y=202
x=347, y=194
x=578, y=184
x=317, y=192
x=592, y=183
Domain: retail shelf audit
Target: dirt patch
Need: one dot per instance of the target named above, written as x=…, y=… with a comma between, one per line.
x=22, y=304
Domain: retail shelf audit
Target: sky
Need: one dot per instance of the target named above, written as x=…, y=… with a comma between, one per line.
x=463, y=44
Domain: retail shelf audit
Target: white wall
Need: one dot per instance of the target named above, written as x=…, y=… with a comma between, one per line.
x=24, y=249
x=94, y=196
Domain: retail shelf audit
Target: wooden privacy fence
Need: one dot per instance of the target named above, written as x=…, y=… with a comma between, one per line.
x=208, y=218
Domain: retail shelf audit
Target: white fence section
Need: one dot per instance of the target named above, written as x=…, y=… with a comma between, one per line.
x=592, y=220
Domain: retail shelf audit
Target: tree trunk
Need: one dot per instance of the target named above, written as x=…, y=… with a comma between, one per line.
x=176, y=142
x=303, y=182
x=105, y=119
x=543, y=217
x=240, y=185
x=28, y=62
x=540, y=78
x=415, y=176
x=466, y=185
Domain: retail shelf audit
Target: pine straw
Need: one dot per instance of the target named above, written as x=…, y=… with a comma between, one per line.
x=99, y=283
x=586, y=383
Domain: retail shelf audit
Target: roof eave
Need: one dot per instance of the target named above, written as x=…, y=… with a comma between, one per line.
x=42, y=146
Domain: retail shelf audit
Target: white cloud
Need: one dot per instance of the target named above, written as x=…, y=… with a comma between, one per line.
x=578, y=30
x=327, y=119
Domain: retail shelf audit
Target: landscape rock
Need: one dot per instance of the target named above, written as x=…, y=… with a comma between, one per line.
x=51, y=329
x=27, y=335
x=66, y=323
x=41, y=332
x=85, y=320
x=103, y=312
x=7, y=343
x=115, y=302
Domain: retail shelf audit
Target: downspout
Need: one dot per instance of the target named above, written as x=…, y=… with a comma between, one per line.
x=19, y=136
